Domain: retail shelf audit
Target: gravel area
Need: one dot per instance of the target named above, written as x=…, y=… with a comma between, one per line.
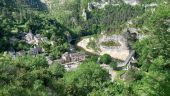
x=118, y=52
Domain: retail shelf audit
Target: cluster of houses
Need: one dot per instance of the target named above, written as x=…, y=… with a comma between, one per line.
x=69, y=59
x=36, y=39
x=32, y=39
x=29, y=38
x=73, y=57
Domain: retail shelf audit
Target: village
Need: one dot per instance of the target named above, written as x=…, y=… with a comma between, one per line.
x=71, y=59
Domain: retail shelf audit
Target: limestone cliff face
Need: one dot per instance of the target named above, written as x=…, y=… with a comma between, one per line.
x=132, y=2
x=48, y=3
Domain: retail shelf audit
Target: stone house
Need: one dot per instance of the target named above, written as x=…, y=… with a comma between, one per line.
x=37, y=39
x=77, y=57
x=29, y=38
x=49, y=60
x=66, y=57
x=73, y=57
x=33, y=39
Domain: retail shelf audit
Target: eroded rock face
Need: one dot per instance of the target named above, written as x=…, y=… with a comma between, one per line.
x=47, y=2
x=100, y=4
x=132, y=2
x=84, y=14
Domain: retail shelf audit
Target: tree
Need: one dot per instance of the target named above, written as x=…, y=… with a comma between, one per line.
x=28, y=75
x=110, y=89
x=87, y=77
x=156, y=78
x=57, y=70
x=92, y=58
x=105, y=59
x=113, y=64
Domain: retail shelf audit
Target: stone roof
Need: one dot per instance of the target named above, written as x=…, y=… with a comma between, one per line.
x=73, y=57
x=76, y=54
x=33, y=39
x=29, y=38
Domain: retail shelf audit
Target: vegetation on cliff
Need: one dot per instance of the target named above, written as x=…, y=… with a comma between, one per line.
x=31, y=75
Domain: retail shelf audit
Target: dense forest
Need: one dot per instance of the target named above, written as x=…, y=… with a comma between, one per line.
x=32, y=75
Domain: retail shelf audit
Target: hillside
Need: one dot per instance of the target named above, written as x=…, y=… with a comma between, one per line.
x=84, y=47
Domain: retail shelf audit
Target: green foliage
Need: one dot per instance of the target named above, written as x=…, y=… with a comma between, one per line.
x=153, y=1
x=110, y=89
x=143, y=52
x=92, y=44
x=28, y=76
x=109, y=19
x=87, y=77
x=31, y=76
x=113, y=64
x=92, y=58
x=37, y=24
x=57, y=70
x=110, y=43
x=160, y=13
x=154, y=56
x=105, y=59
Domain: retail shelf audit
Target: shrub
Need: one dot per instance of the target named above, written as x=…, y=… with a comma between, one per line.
x=105, y=59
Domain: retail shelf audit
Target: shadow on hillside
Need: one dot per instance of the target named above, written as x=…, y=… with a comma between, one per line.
x=36, y=4
x=33, y=4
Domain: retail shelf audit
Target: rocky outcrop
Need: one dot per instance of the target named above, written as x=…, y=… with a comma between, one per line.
x=100, y=4
x=48, y=3
x=84, y=14
x=132, y=2
x=33, y=39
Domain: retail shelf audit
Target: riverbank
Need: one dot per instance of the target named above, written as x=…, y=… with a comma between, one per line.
x=120, y=52
x=83, y=44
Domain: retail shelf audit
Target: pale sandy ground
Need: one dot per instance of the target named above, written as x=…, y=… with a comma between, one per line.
x=83, y=43
x=120, y=52
x=117, y=54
